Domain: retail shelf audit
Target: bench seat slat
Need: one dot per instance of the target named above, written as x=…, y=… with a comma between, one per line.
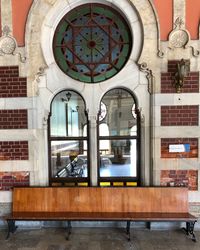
x=101, y=216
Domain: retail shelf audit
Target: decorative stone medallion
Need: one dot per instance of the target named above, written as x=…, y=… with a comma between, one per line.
x=178, y=37
x=7, y=43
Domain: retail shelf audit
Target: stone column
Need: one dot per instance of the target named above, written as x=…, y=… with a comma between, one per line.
x=6, y=14
x=93, y=151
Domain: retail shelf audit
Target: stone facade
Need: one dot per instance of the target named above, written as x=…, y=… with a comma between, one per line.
x=30, y=78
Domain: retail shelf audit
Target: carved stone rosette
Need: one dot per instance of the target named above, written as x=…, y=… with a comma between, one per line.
x=180, y=37
x=8, y=44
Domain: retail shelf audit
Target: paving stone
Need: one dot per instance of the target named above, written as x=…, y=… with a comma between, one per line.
x=98, y=239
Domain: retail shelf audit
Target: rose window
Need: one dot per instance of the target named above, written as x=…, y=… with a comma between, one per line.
x=92, y=43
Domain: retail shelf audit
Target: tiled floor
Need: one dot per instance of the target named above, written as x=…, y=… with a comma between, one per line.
x=98, y=239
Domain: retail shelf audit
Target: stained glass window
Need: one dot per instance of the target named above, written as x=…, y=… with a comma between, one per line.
x=92, y=43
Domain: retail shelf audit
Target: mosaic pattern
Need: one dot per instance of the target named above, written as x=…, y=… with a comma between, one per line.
x=8, y=180
x=92, y=43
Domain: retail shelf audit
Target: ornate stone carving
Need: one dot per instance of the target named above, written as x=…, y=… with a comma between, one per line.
x=41, y=72
x=8, y=44
x=178, y=37
x=45, y=119
x=149, y=75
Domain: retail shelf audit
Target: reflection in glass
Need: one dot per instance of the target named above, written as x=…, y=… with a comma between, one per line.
x=68, y=115
x=120, y=116
x=118, y=159
x=68, y=159
x=68, y=141
x=118, y=136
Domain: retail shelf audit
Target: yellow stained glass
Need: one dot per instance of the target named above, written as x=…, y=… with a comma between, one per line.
x=83, y=184
x=132, y=184
x=117, y=184
x=104, y=184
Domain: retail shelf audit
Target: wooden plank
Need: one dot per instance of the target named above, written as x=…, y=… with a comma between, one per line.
x=103, y=216
x=97, y=199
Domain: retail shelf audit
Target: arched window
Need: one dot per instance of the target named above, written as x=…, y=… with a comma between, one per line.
x=68, y=140
x=118, y=139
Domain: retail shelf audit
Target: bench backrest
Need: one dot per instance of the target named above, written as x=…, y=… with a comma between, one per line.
x=97, y=199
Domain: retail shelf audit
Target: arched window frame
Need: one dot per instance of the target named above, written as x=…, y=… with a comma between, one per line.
x=121, y=180
x=69, y=181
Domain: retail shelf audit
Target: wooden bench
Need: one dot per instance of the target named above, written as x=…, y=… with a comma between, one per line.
x=144, y=204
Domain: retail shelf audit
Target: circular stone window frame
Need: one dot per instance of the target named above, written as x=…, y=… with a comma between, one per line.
x=92, y=43
x=60, y=9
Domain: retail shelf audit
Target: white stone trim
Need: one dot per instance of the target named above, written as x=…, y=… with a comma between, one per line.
x=6, y=14
x=179, y=10
x=15, y=166
x=177, y=131
x=16, y=103
x=177, y=99
x=17, y=135
x=5, y=196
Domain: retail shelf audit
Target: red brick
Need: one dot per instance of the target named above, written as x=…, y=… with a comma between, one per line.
x=14, y=150
x=14, y=119
x=180, y=115
x=10, y=76
x=191, y=82
x=165, y=142
x=8, y=180
x=185, y=178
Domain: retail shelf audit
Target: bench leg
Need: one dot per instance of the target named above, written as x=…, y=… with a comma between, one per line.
x=69, y=229
x=190, y=229
x=11, y=228
x=148, y=224
x=128, y=223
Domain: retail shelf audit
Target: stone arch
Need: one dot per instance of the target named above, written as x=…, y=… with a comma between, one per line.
x=42, y=20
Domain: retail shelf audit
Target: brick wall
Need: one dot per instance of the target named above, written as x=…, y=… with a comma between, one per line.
x=180, y=178
x=165, y=142
x=13, y=119
x=8, y=180
x=13, y=150
x=180, y=115
x=191, y=82
x=11, y=85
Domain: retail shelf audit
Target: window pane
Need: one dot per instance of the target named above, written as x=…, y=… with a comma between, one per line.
x=118, y=158
x=68, y=115
x=120, y=116
x=69, y=159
